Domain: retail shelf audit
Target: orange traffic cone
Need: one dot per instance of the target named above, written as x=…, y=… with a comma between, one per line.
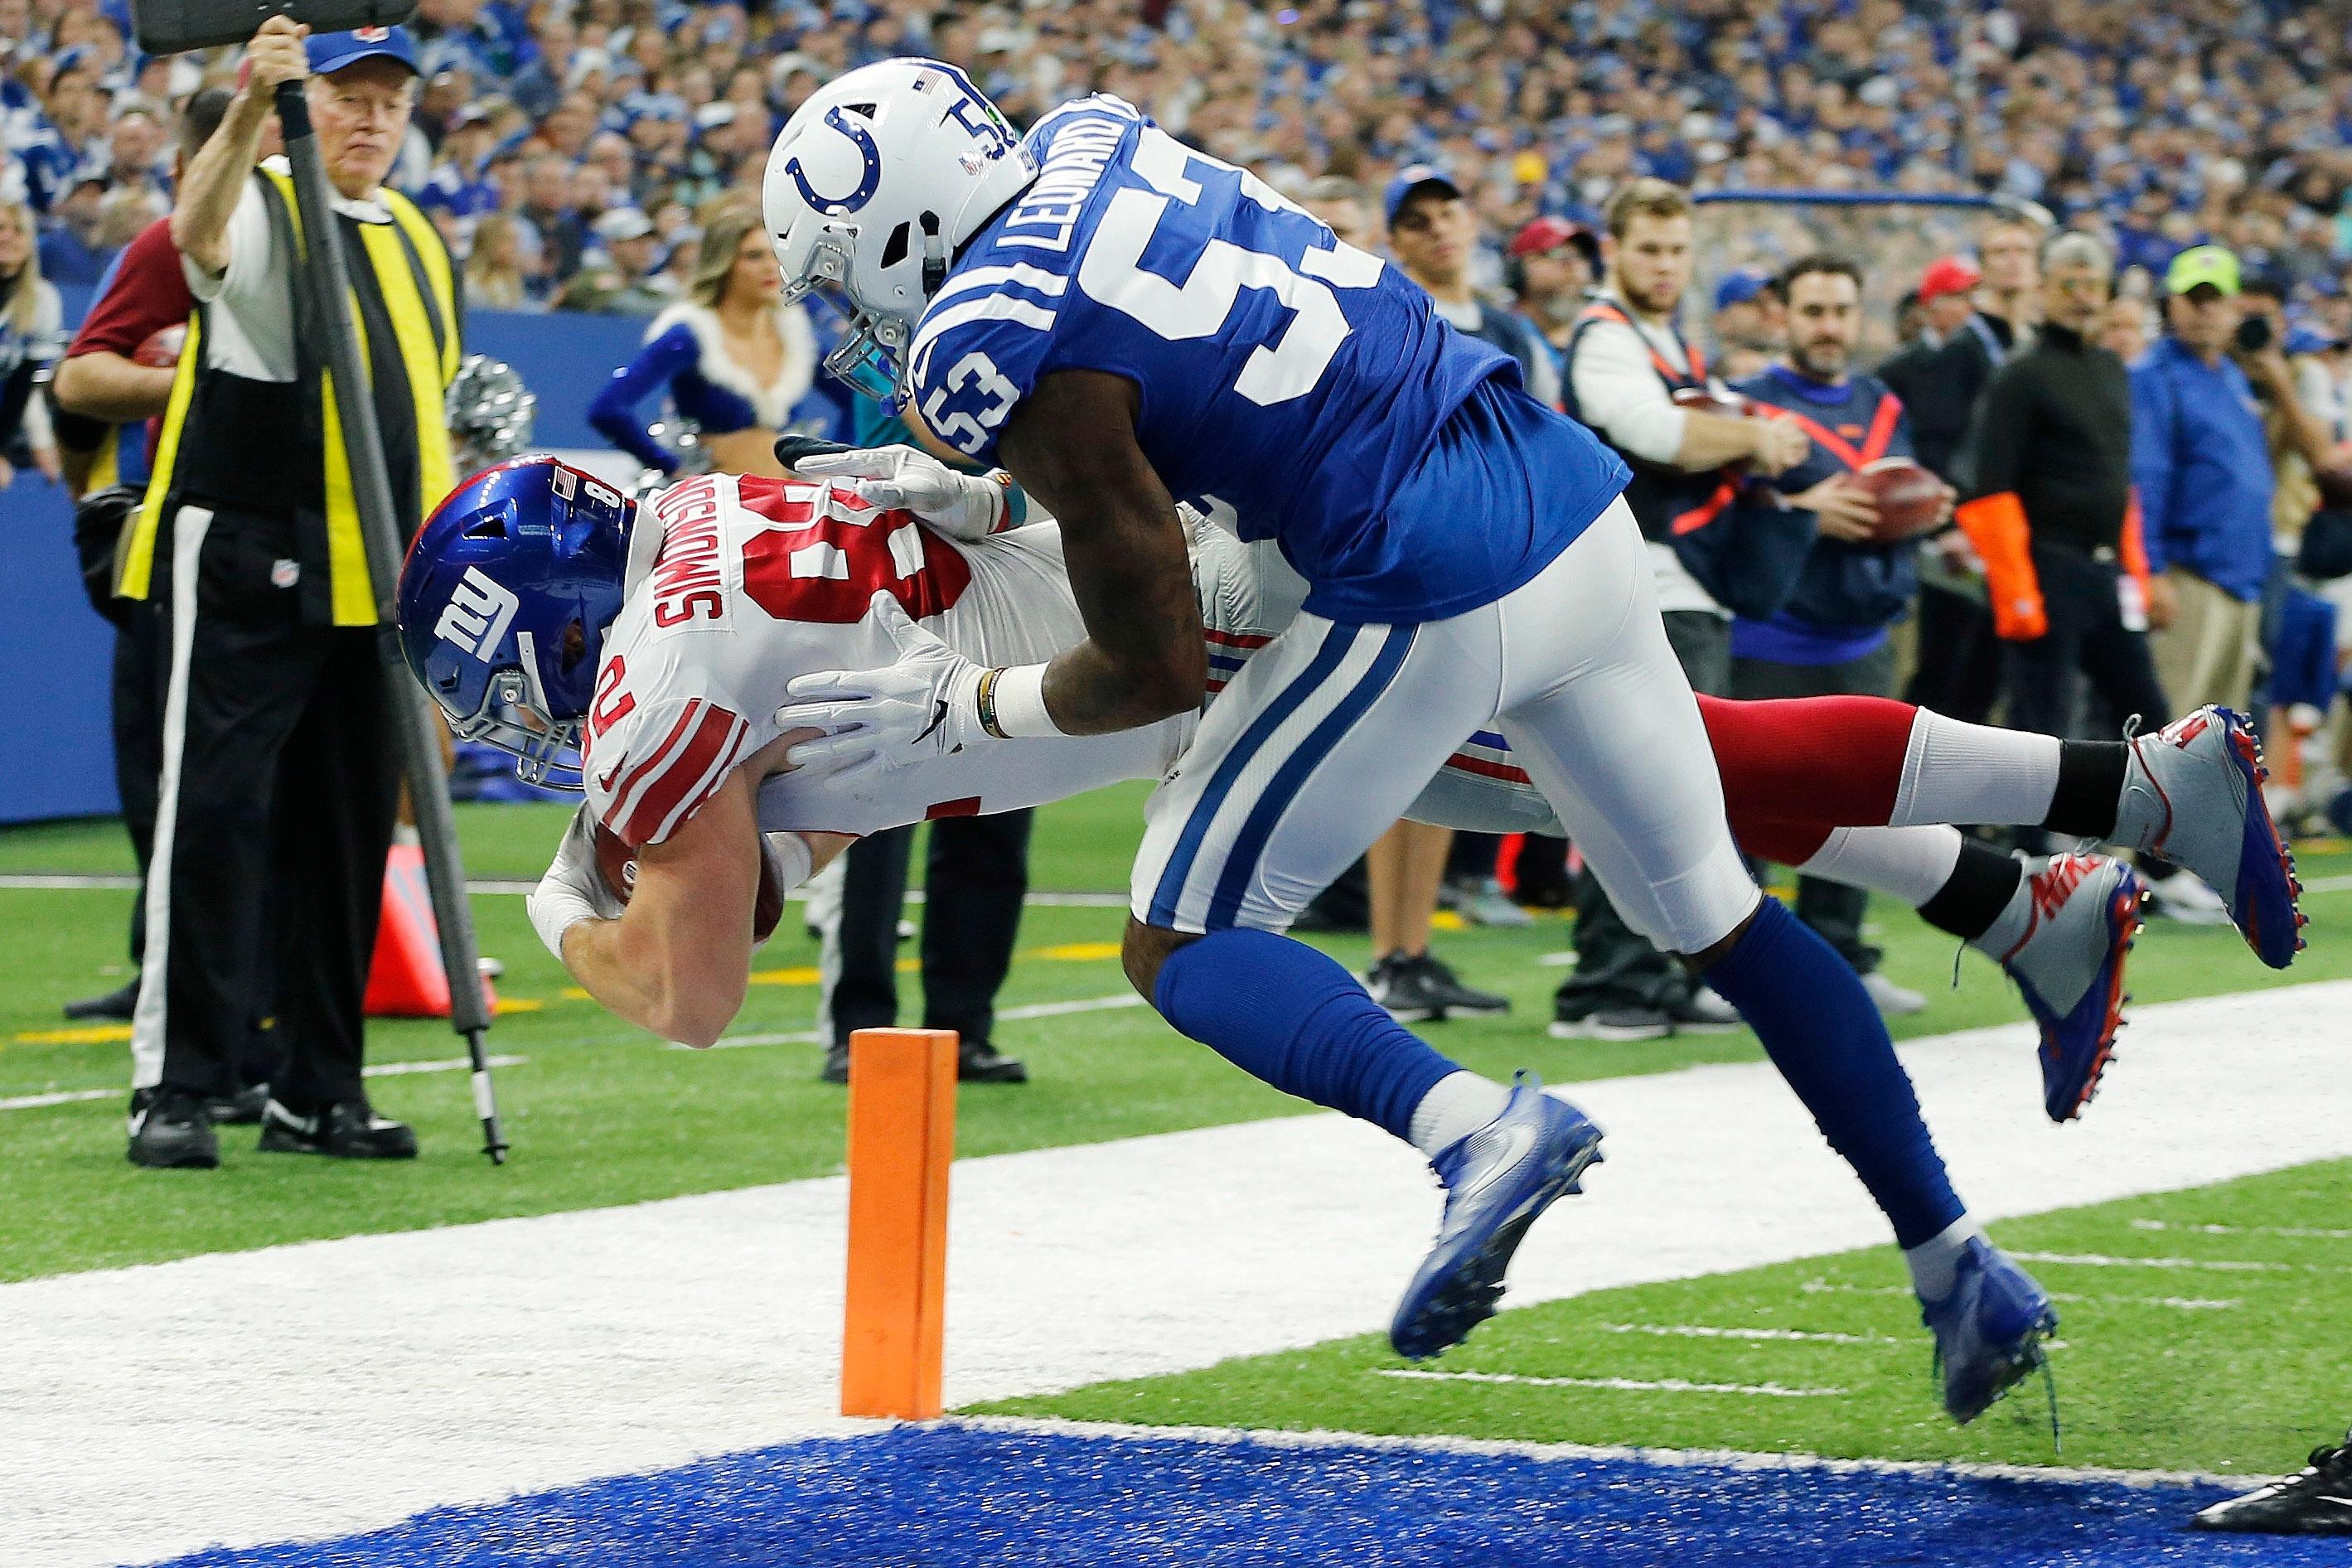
x=406, y=980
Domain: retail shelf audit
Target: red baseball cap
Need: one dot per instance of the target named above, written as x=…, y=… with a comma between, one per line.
x=1549, y=233
x=1948, y=274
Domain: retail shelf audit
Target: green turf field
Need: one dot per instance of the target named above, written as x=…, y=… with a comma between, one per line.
x=2232, y=1361
x=600, y=1113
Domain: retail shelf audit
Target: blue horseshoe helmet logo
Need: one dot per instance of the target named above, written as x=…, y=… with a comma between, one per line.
x=868, y=180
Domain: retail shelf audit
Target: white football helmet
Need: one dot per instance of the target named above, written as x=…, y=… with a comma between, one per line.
x=871, y=186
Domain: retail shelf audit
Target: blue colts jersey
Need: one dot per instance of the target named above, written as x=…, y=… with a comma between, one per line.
x=1294, y=379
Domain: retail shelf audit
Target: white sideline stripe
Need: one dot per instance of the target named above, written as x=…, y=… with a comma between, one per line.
x=45, y=881
x=1616, y=1384
x=387, y=1070
x=1030, y=1010
x=1709, y=1331
x=2300, y=1232
x=2183, y=1303
x=621, y=1340
x=1506, y=1448
x=2335, y=884
x=2220, y=1265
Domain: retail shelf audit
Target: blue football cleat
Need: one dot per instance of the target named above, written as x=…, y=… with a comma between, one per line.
x=1989, y=1331
x=2069, y=965
x=1497, y=1180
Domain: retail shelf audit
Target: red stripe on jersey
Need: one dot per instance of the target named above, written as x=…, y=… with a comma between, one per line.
x=968, y=806
x=1234, y=639
x=1484, y=769
x=686, y=780
x=646, y=768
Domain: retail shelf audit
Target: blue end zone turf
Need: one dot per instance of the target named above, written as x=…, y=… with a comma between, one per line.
x=957, y=1494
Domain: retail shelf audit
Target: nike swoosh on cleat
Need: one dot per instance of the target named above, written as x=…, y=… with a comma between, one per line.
x=1520, y=1138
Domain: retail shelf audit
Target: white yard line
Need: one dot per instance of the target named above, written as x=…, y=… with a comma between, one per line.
x=2219, y=1265
x=1616, y=1384
x=1030, y=1010
x=2298, y=1232
x=382, y=1070
x=394, y=1373
x=61, y=882
x=1710, y=1331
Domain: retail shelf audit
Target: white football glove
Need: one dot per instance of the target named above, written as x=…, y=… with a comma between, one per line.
x=921, y=709
x=961, y=506
x=573, y=889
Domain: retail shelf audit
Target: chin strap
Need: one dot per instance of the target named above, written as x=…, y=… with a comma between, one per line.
x=935, y=254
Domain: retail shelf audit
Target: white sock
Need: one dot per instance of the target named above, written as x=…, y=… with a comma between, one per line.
x=1934, y=1263
x=1459, y=1104
x=1972, y=773
x=2010, y=926
x=1908, y=863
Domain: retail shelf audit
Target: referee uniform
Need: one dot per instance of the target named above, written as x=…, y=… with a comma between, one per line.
x=279, y=783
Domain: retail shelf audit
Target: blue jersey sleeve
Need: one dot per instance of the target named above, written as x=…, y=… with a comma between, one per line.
x=978, y=352
x=614, y=411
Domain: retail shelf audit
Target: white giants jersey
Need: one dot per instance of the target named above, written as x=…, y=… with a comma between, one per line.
x=757, y=581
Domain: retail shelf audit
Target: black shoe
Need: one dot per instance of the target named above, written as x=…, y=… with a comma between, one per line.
x=836, y=1065
x=242, y=1109
x=349, y=1129
x=979, y=1062
x=169, y=1130
x=1626, y=1022
x=117, y=1005
x=2318, y=1501
x=1426, y=988
x=1703, y=1012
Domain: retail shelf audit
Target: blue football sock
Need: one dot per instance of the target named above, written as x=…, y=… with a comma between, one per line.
x=1283, y=1012
x=1808, y=1007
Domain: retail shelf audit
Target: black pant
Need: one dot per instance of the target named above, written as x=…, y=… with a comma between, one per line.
x=137, y=712
x=975, y=876
x=2086, y=640
x=1615, y=965
x=1959, y=673
x=280, y=790
x=1832, y=909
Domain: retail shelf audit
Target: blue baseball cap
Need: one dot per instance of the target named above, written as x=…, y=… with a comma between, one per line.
x=331, y=52
x=1410, y=180
x=1740, y=287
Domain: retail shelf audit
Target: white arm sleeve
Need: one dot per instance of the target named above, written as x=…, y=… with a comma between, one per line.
x=252, y=266
x=1618, y=393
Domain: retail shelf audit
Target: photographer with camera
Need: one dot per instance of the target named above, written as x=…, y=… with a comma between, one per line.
x=2201, y=466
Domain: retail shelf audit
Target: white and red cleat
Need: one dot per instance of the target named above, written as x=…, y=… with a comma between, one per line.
x=2070, y=965
x=2193, y=793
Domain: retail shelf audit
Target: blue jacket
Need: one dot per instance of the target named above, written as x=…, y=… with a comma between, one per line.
x=1848, y=594
x=2202, y=468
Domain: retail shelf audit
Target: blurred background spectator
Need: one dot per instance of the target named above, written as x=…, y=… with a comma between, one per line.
x=31, y=337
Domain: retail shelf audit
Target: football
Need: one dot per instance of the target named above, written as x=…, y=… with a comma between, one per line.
x=616, y=863
x=161, y=348
x=1910, y=498
x=1719, y=401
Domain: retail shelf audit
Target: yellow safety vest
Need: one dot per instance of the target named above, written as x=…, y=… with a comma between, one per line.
x=412, y=283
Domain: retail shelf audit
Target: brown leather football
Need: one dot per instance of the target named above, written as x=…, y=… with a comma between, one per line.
x=1910, y=498
x=617, y=864
x=1725, y=403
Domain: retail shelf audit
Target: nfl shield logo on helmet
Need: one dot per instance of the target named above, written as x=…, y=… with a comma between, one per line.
x=371, y=35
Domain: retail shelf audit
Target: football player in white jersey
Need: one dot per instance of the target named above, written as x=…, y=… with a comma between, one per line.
x=650, y=647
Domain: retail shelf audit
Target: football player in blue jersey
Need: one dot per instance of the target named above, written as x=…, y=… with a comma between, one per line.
x=1120, y=321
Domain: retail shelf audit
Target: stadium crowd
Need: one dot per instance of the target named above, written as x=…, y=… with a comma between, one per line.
x=555, y=141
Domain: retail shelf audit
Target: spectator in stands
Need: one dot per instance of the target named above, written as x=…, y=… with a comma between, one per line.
x=460, y=184
x=32, y=335
x=1960, y=671
x=2048, y=511
x=1945, y=294
x=1626, y=359
x=547, y=206
x=1832, y=637
x=1339, y=203
x=494, y=277
x=1552, y=264
x=623, y=280
x=2201, y=464
x=2300, y=408
x=73, y=244
x=68, y=138
x=2128, y=329
x=1748, y=324
x=733, y=360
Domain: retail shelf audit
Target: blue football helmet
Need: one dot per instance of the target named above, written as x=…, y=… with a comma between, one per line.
x=504, y=603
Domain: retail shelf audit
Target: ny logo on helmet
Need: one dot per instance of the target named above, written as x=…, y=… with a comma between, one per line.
x=478, y=614
x=868, y=179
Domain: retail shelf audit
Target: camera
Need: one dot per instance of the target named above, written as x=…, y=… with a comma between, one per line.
x=2253, y=334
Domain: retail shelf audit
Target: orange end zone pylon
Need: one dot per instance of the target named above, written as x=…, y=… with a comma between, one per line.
x=902, y=1085
x=406, y=978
